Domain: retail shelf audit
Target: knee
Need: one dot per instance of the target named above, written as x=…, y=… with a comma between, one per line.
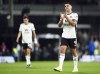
x=63, y=49
x=28, y=51
x=74, y=52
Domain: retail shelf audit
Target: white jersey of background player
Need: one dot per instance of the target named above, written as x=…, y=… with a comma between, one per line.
x=27, y=30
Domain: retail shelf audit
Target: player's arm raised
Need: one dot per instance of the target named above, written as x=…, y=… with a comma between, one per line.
x=60, y=23
x=71, y=21
x=18, y=36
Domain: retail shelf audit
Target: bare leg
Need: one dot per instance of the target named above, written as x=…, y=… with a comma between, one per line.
x=28, y=56
x=61, y=57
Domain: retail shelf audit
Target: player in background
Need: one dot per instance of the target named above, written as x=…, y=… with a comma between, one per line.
x=27, y=30
x=68, y=20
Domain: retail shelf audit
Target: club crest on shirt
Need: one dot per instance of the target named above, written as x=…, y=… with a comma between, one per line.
x=70, y=16
x=26, y=29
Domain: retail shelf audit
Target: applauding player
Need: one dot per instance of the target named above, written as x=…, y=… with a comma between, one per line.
x=68, y=20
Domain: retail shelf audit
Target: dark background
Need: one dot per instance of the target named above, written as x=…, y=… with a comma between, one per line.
x=42, y=12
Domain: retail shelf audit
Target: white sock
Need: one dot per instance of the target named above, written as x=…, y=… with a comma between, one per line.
x=61, y=60
x=28, y=60
x=75, y=61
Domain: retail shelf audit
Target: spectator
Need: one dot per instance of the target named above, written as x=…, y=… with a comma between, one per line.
x=91, y=49
x=4, y=49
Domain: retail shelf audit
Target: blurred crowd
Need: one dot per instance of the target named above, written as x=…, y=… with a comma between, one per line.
x=88, y=44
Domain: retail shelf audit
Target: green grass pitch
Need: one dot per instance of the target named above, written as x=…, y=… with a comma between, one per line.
x=46, y=67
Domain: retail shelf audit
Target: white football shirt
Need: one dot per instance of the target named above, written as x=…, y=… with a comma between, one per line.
x=27, y=32
x=69, y=31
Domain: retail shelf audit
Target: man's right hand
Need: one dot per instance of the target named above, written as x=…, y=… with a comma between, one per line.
x=17, y=40
x=61, y=16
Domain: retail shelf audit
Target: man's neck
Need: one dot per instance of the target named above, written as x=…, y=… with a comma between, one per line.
x=26, y=23
x=69, y=12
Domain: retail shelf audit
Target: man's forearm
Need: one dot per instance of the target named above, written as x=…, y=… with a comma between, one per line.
x=34, y=34
x=18, y=36
x=71, y=22
x=35, y=39
x=60, y=23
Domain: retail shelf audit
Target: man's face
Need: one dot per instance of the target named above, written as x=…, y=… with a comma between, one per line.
x=25, y=20
x=68, y=7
